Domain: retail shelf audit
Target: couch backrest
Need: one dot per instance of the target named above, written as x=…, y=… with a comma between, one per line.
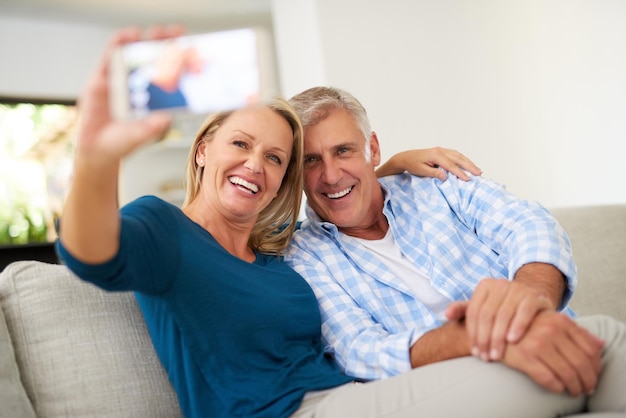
x=598, y=236
x=81, y=351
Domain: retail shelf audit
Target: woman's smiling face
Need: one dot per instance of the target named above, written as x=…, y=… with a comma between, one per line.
x=245, y=162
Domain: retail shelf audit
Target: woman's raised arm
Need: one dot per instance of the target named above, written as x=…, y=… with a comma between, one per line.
x=90, y=223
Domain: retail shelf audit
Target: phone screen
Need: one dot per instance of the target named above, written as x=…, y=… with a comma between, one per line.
x=196, y=74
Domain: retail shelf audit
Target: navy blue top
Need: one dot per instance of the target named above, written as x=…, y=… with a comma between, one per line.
x=161, y=99
x=237, y=339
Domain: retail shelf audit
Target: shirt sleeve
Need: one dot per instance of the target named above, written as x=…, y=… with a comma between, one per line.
x=520, y=231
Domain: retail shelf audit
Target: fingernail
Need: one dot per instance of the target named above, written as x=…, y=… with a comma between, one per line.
x=494, y=354
x=475, y=351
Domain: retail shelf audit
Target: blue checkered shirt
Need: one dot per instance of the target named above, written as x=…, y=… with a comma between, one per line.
x=455, y=232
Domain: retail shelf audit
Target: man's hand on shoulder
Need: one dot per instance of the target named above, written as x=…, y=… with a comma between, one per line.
x=426, y=163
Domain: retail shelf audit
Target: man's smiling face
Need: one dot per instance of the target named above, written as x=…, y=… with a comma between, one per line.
x=339, y=181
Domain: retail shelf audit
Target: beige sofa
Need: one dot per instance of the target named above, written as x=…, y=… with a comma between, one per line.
x=68, y=349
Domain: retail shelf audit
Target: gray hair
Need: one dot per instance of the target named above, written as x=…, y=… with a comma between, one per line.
x=315, y=104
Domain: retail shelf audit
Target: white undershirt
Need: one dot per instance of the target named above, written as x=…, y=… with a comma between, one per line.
x=388, y=252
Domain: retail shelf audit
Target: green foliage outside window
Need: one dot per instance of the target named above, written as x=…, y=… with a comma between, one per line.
x=35, y=168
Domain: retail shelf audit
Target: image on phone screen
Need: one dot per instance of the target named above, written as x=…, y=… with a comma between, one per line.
x=196, y=74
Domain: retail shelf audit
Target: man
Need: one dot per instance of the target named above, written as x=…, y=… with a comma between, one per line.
x=411, y=271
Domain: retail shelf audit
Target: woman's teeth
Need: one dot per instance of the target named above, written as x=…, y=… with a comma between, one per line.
x=241, y=182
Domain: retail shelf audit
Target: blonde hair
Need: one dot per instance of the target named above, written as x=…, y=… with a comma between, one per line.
x=276, y=223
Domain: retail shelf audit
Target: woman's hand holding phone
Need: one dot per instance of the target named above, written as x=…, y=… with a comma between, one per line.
x=102, y=138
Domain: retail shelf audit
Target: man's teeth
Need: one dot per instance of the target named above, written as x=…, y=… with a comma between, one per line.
x=241, y=182
x=339, y=194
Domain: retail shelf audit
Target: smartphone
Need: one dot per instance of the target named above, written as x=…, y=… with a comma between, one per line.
x=192, y=74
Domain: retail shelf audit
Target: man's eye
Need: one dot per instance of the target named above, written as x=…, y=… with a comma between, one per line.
x=343, y=150
x=309, y=160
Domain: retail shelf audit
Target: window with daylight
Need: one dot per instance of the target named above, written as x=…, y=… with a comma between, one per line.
x=36, y=158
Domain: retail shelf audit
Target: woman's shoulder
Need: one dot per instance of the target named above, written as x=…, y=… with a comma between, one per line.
x=154, y=214
x=150, y=203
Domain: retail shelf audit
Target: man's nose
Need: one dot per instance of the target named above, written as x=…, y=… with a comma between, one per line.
x=331, y=173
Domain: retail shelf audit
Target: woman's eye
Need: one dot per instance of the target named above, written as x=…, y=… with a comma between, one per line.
x=240, y=144
x=275, y=159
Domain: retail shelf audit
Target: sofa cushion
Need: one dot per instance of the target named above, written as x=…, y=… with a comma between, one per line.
x=81, y=351
x=598, y=236
x=13, y=400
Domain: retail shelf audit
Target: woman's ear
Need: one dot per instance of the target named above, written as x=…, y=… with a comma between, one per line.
x=200, y=154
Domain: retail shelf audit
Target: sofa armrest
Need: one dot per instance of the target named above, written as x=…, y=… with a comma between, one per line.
x=14, y=402
x=82, y=351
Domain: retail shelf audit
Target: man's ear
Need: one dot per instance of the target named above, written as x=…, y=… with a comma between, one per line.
x=374, y=149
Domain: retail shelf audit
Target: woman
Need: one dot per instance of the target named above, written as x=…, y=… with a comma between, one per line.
x=236, y=329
